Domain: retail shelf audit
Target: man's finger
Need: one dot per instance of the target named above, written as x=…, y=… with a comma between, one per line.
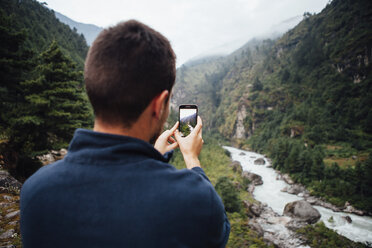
x=173, y=146
x=174, y=128
x=199, y=125
x=171, y=139
x=177, y=135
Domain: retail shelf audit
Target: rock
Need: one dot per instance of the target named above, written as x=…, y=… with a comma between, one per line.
x=278, y=177
x=302, y=210
x=354, y=157
x=256, y=209
x=63, y=152
x=287, y=179
x=252, y=157
x=8, y=198
x=347, y=218
x=285, y=189
x=13, y=223
x=256, y=227
x=253, y=178
x=7, y=181
x=259, y=161
x=300, y=194
x=7, y=234
x=350, y=209
x=312, y=200
x=10, y=210
x=295, y=224
x=269, y=166
x=12, y=214
x=236, y=166
x=5, y=204
x=242, y=154
x=328, y=205
x=282, y=220
x=250, y=188
x=296, y=189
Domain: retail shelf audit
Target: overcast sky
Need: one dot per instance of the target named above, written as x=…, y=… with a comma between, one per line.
x=194, y=27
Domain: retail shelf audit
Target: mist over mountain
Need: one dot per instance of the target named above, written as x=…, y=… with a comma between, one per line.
x=89, y=31
x=225, y=49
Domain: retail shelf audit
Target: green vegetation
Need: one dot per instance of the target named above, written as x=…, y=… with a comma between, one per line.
x=41, y=95
x=42, y=27
x=319, y=235
x=225, y=188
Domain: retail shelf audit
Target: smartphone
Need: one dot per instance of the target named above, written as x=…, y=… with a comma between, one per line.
x=188, y=114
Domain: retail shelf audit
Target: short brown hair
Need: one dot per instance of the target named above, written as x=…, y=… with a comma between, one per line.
x=126, y=67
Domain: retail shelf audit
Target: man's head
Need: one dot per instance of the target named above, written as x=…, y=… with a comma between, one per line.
x=127, y=67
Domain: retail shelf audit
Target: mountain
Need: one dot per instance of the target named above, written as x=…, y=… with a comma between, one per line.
x=304, y=99
x=41, y=27
x=89, y=31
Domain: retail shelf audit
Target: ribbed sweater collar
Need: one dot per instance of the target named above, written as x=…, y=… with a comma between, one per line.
x=92, y=147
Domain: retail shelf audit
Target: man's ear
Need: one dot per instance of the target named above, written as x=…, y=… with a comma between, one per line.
x=158, y=104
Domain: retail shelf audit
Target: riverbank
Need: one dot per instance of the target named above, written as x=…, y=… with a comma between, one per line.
x=271, y=192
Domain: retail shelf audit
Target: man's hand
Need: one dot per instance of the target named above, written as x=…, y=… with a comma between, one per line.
x=191, y=145
x=165, y=141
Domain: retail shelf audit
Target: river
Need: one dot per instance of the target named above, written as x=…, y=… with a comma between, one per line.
x=359, y=230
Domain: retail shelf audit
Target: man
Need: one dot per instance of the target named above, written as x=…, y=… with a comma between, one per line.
x=114, y=188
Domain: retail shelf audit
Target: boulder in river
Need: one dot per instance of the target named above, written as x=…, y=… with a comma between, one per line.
x=253, y=178
x=347, y=218
x=302, y=210
x=242, y=154
x=259, y=161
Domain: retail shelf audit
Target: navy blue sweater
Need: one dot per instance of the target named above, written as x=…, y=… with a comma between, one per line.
x=118, y=191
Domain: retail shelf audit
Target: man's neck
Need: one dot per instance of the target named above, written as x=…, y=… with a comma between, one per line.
x=134, y=131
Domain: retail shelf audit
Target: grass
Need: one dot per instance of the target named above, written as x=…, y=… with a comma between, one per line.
x=342, y=154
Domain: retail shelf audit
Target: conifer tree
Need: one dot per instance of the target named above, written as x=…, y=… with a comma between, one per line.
x=54, y=105
x=56, y=102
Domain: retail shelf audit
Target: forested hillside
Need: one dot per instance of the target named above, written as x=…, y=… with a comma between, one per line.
x=304, y=99
x=42, y=98
x=40, y=28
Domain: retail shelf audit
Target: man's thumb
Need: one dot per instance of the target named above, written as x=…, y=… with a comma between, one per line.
x=177, y=134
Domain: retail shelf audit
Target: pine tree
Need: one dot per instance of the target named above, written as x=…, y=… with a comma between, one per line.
x=54, y=105
x=57, y=104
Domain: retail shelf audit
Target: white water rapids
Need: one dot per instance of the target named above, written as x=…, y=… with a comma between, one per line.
x=359, y=230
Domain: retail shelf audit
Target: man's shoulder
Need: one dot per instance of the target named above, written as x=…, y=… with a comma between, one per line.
x=40, y=179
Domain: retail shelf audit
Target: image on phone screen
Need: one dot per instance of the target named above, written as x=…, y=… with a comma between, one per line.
x=187, y=118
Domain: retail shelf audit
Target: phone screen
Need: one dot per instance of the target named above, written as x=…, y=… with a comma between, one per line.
x=187, y=117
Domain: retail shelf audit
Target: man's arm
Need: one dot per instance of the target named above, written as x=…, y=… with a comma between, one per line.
x=219, y=225
x=191, y=145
